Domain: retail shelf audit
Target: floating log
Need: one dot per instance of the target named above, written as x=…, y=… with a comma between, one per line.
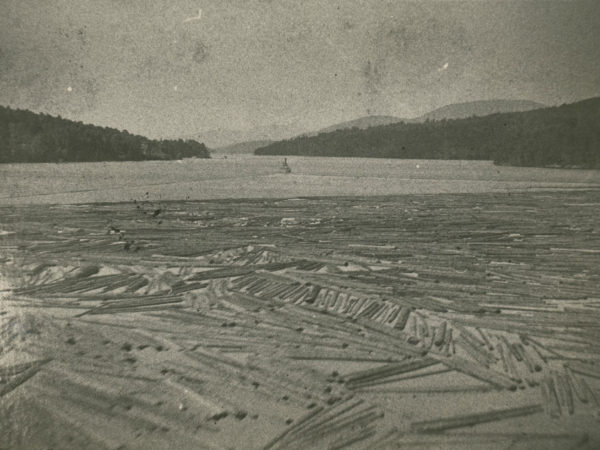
x=485, y=339
x=532, y=364
x=437, y=425
x=466, y=334
x=312, y=294
x=579, y=390
x=516, y=351
x=584, y=369
x=299, y=296
x=402, y=318
x=275, y=289
x=477, y=371
x=440, y=334
x=350, y=303
x=428, y=345
x=299, y=423
x=357, y=306
x=369, y=310
x=329, y=300
x=354, y=380
x=537, y=351
x=306, y=426
x=361, y=435
x=342, y=301
x=512, y=369
x=503, y=357
x=22, y=377
x=425, y=325
x=339, y=422
x=414, y=335
x=539, y=346
x=393, y=315
x=565, y=387
x=473, y=352
x=382, y=313
x=551, y=404
x=447, y=341
x=589, y=392
x=133, y=304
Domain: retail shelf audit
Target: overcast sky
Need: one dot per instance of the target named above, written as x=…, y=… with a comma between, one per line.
x=139, y=65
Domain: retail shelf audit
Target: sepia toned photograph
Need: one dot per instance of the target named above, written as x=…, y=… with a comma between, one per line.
x=320, y=224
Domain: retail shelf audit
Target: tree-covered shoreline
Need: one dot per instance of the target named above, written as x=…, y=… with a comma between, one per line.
x=562, y=136
x=27, y=137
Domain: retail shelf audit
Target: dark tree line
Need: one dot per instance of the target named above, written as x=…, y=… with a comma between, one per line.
x=29, y=137
x=565, y=136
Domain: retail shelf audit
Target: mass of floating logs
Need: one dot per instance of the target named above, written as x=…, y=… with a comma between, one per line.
x=222, y=308
x=457, y=439
x=347, y=422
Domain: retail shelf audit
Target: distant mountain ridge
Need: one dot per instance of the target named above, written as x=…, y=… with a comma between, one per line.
x=243, y=141
x=448, y=112
x=223, y=137
x=268, y=135
x=360, y=123
x=562, y=136
x=241, y=147
x=478, y=108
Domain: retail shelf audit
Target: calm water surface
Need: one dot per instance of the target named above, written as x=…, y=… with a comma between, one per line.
x=254, y=177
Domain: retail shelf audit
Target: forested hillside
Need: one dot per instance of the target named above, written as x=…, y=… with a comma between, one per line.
x=29, y=137
x=565, y=136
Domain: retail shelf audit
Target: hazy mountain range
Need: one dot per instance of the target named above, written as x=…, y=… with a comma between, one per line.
x=236, y=141
x=242, y=147
x=478, y=108
x=222, y=137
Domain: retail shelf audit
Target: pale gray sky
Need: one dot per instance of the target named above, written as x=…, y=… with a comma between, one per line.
x=136, y=65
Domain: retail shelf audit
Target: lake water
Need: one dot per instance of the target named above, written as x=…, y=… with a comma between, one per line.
x=246, y=176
